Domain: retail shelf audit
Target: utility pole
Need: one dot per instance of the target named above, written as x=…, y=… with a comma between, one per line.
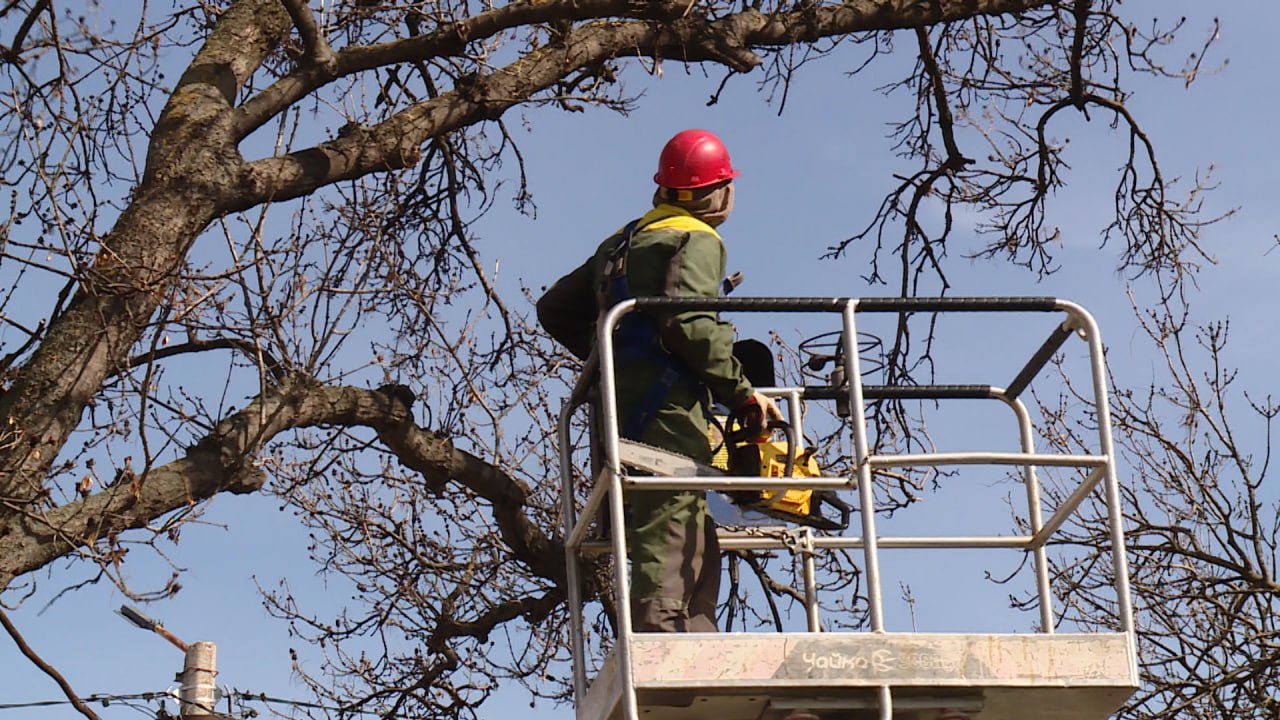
x=199, y=689
x=198, y=693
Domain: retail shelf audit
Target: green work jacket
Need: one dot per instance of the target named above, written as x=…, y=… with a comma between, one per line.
x=675, y=255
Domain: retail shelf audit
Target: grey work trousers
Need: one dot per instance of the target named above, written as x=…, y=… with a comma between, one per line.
x=675, y=562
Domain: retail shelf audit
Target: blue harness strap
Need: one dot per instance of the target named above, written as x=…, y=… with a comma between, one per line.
x=637, y=335
x=648, y=408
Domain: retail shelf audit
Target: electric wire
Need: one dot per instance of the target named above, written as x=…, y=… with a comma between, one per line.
x=105, y=700
x=260, y=697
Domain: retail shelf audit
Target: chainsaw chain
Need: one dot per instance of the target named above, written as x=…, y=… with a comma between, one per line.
x=792, y=538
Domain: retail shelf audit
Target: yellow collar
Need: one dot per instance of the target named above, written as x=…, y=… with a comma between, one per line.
x=674, y=218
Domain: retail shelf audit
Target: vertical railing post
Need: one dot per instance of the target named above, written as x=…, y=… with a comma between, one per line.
x=1035, y=515
x=886, y=703
x=617, y=513
x=573, y=572
x=862, y=463
x=806, y=551
x=1119, y=558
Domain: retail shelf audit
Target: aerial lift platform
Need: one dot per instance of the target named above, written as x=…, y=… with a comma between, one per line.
x=874, y=675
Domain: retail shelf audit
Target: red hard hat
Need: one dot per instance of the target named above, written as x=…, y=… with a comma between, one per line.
x=694, y=159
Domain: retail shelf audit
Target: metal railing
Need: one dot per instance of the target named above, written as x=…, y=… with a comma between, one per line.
x=611, y=480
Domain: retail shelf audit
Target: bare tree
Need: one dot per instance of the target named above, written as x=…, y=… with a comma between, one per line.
x=141, y=231
x=1202, y=530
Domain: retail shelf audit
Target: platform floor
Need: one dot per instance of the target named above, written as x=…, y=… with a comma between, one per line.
x=753, y=676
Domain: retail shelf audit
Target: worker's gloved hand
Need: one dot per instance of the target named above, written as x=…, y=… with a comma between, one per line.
x=755, y=414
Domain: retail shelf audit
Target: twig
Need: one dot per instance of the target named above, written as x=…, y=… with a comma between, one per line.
x=48, y=669
x=273, y=366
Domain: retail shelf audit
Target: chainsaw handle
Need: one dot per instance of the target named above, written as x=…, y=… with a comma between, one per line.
x=791, y=446
x=740, y=422
x=828, y=497
x=746, y=418
x=743, y=435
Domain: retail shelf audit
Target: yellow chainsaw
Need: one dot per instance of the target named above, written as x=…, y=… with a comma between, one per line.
x=742, y=456
x=804, y=506
x=736, y=454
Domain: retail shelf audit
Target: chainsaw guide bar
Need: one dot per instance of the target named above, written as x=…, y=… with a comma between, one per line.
x=662, y=462
x=796, y=505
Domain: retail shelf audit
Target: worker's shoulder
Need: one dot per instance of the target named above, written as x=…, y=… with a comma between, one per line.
x=690, y=240
x=681, y=231
x=678, y=223
x=665, y=233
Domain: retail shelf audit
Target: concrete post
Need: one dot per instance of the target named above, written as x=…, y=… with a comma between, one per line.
x=197, y=695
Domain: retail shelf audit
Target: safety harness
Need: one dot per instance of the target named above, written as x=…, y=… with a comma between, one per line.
x=637, y=336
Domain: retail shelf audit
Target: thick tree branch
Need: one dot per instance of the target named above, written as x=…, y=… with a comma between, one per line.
x=955, y=160
x=446, y=40
x=319, y=53
x=184, y=181
x=1081, y=12
x=396, y=143
x=13, y=53
x=222, y=462
x=242, y=38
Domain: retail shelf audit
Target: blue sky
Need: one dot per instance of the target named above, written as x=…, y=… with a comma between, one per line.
x=811, y=177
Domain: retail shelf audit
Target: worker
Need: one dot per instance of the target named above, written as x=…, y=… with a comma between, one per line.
x=669, y=366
